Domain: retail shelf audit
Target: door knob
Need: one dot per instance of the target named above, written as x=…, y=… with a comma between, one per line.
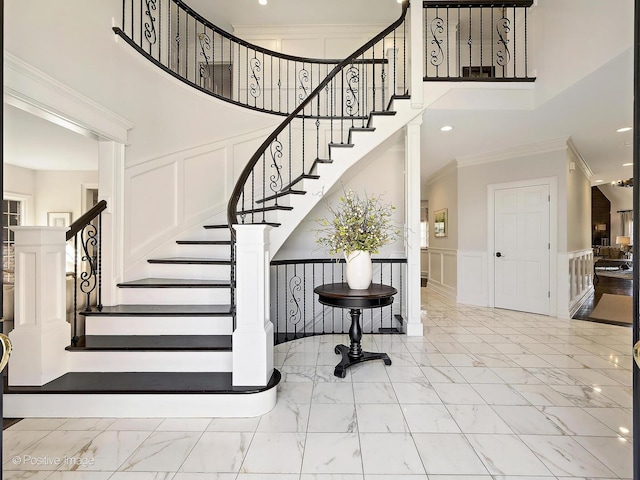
x=498, y=254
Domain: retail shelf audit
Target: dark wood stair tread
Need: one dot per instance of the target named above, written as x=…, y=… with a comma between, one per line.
x=191, y=261
x=224, y=225
x=281, y=194
x=174, y=283
x=116, y=343
x=143, y=383
x=161, y=310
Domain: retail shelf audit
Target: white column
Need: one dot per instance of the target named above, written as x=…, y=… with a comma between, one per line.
x=41, y=330
x=253, y=336
x=416, y=54
x=412, y=222
x=111, y=189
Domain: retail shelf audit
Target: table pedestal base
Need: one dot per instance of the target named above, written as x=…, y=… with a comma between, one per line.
x=348, y=360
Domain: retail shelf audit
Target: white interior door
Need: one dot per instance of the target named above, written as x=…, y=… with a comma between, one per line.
x=522, y=246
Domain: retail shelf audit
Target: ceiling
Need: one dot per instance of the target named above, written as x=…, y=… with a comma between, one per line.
x=589, y=111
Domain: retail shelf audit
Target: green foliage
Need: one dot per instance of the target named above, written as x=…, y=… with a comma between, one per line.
x=357, y=224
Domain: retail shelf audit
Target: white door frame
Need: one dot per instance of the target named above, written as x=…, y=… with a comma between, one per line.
x=552, y=183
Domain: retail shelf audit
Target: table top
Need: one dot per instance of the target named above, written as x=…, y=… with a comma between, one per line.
x=340, y=295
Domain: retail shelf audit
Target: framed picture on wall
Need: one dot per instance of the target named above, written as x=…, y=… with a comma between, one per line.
x=59, y=219
x=440, y=223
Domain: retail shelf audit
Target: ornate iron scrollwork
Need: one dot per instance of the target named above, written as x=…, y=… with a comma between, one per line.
x=150, y=26
x=256, y=67
x=503, y=55
x=295, y=314
x=89, y=276
x=303, y=78
x=275, y=180
x=351, y=97
x=436, y=56
x=205, y=44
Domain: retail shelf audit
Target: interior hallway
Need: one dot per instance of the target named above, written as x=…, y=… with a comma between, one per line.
x=484, y=394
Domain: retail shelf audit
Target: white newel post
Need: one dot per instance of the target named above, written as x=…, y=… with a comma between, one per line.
x=41, y=330
x=253, y=336
x=412, y=221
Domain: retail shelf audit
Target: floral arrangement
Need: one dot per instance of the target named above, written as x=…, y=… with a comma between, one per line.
x=357, y=224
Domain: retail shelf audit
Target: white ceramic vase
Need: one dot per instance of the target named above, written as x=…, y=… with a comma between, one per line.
x=359, y=270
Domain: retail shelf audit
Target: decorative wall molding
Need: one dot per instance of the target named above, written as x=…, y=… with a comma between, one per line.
x=547, y=146
x=573, y=150
x=30, y=89
x=444, y=171
x=473, y=278
x=443, y=271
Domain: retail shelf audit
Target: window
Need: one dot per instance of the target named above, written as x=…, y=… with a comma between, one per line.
x=12, y=216
x=424, y=228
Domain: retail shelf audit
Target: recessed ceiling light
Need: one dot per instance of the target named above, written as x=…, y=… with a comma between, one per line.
x=624, y=430
x=627, y=164
x=599, y=181
x=446, y=128
x=262, y=2
x=623, y=129
x=399, y=1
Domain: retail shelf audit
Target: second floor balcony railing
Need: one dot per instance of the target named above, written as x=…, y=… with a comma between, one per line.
x=476, y=40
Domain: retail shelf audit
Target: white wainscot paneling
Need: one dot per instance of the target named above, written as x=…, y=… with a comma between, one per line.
x=473, y=278
x=153, y=204
x=200, y=173
x=443, y=271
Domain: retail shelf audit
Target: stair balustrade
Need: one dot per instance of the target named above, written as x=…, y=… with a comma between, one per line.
x=476, y=40
x=84, y=250
x=296, y=312
x=191, y=48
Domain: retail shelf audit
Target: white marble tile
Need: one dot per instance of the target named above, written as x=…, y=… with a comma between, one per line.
x=585, y=396
x=575, y=421
x=479, y=375
x=324, y=392
x=448, y=454
x=430, y=360
x=295, y=373
x=402, y=359
x=373, y=371
x=285, y=417
x=405, y=374
x=517, y=375
x=106, y=452
x=309, y=358
x=294, y=392
x=374, y=392
x=135, y=424
x=326, y=374
x=267, y=476
x=416, y=393
x=144, y=476
x=248, y=424
x=14, y=442
x=466, y=477
x=528, y=420
x=443, y=375
x=589, y=376
x=506, y=455
x=463, y=360
x=478, y=419
x=274, y=453
x=541, y=395
x=52, y=450
x=26, y=475
x=422, y=418
x=98, y=424
x=457, y=394
x=218, y=452
x=332, y=453
x=623, y=396
x=81, y=475
x=500, y=394
x=161, y=452
x=184, y=425
x=381, y=418
x=46, y=424
x=332, y=418
x=564, y=456
x=206, y=476
x=615, y=453
x=390, y=453
x=617, y=419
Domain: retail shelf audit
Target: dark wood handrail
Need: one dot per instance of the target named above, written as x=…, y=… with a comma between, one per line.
x=232, y=216
x=476, y=3
x=84, y=220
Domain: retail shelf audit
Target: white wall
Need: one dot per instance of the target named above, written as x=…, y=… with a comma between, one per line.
x=60, y=191
x=20, y=184
x=578, y=204
x=380, y=173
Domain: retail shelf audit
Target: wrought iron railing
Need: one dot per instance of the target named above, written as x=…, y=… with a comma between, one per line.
x=476, y=40
x=296, y=312
x=191, y=48
x=360, y=85
x=84, y=238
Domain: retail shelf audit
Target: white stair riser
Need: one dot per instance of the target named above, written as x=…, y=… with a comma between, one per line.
x=203, y=272
x=204, y=251
x=174, y=296
x=110, y=325
x=150, y=361
x=139, y=405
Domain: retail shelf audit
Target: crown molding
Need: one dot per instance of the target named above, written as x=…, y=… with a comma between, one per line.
x=584, y=166
x=32, y=90
x=547, y=146
x=446, y=170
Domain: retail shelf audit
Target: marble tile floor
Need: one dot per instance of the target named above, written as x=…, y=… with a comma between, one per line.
x=484, y=394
